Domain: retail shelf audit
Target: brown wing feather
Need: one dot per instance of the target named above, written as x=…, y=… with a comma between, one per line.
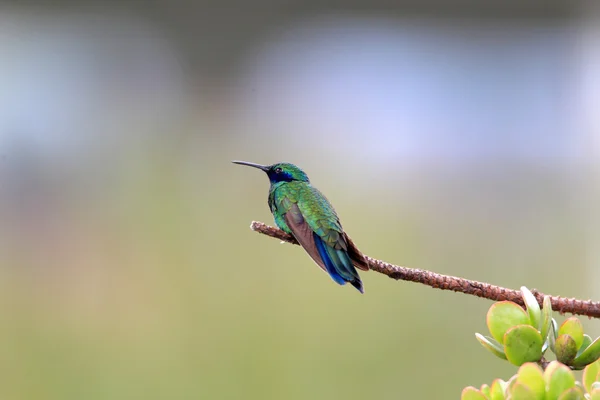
x=303, y=234
x=357, y=257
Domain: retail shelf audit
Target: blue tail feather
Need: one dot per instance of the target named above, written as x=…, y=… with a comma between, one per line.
x=338, y=264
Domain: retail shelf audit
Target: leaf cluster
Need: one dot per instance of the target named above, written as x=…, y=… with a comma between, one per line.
x=522, y=337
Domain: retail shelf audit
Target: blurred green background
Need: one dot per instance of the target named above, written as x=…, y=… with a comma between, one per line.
x=459, y=137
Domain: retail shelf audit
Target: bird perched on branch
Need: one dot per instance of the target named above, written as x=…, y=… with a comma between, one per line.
x=304, y=212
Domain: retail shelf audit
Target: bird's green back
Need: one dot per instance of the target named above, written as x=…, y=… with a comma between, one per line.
x=314, y=206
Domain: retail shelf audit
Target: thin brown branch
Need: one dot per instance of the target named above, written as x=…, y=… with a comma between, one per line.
x=453, y=283
x=543, y=363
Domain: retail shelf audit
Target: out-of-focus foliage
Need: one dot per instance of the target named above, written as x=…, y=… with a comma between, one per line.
x=557, y=382
x=522, y=337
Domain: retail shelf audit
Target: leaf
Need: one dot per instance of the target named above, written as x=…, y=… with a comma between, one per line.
x=531, y=375
x=520, y=391
x=565, y=349
x=522, y=343
x=574, y=393
x=485, y=390
x=470, y=393
x=497, y=389
x=552, y=334
x=509, y=386
x=572, y=327
x=589, y=355
x=533, y=308
x=587, y=340
x=546, y=317
x=491, y=344
x=590, y=375
x=504, y=315
x=558, y=378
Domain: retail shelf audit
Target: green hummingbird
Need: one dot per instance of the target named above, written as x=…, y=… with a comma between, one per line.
x=303, y=211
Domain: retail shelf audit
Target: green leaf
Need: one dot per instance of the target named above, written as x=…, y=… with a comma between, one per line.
x=491, y=344
x=502, y=316
x=521, y=392
x=509, y=385
x=533, y=308
x=558, y=378
x=470, y=393
x=574, y=393
x=546, y=317
x=497, y=389
x=587, y=340
x=572, y=327
x=565, y=349
x=532, y=376
x=553, y=334
x=590, y=375
x=485, y=390
x=544, y=347
x=589, y=355
x=523, y=343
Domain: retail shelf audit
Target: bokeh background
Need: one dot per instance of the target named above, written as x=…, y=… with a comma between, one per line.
x=458, y=136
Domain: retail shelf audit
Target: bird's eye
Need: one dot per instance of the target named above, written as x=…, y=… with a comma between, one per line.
x=278, y=170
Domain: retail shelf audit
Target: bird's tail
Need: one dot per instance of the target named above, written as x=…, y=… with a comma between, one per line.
x=338, y=264
x=357, y=257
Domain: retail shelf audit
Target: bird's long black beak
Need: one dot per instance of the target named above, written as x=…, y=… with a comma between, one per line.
x=263, y=167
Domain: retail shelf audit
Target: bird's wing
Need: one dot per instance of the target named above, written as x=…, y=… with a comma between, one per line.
x=325, y=223
x=315, y=225
x=335, y=261
x=303, y=233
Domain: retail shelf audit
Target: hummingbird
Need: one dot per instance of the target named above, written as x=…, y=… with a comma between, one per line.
x=301, y=210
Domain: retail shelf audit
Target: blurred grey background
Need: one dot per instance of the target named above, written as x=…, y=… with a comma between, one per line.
x=458, y=136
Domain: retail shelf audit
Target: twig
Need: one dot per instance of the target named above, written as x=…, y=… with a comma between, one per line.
x=543, y=363
x=445, y=282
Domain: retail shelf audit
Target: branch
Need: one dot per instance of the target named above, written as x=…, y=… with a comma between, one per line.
x=453, y=283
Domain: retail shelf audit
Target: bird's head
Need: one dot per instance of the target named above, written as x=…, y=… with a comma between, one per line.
x=280, y=172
